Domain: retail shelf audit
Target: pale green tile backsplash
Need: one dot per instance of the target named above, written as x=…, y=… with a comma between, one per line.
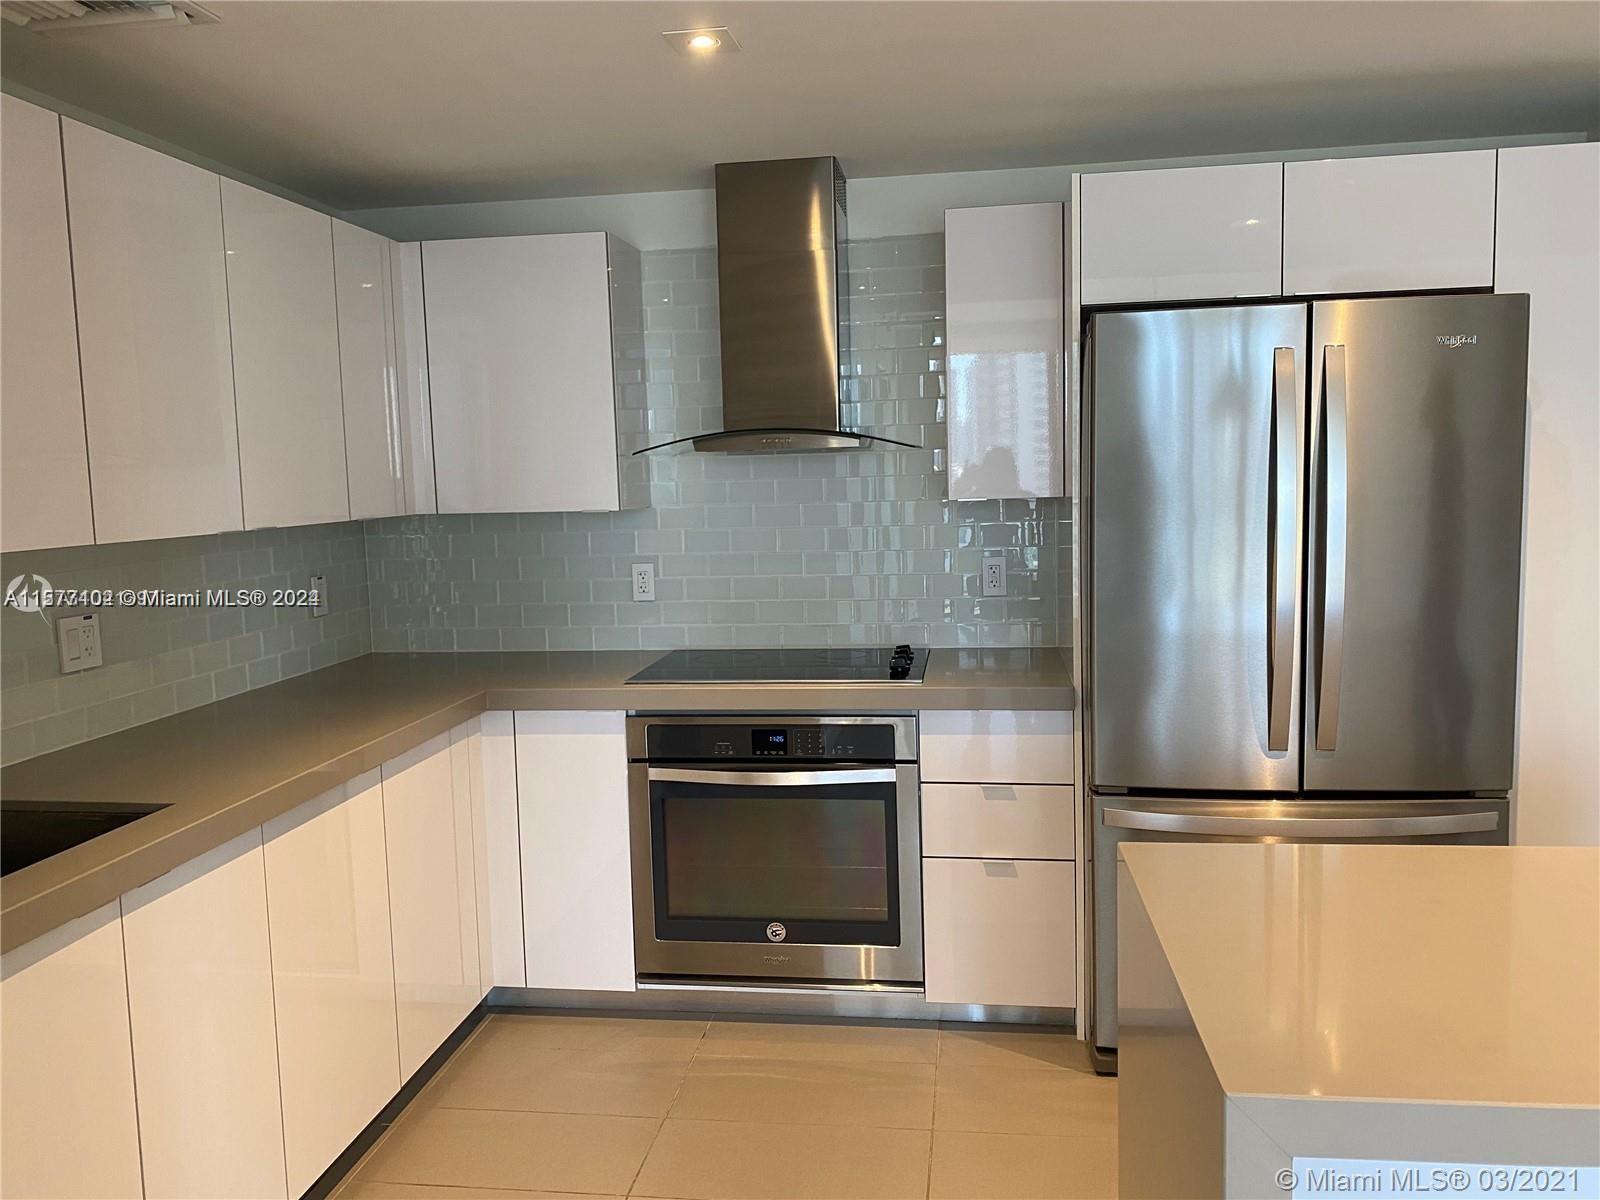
x=749, y=550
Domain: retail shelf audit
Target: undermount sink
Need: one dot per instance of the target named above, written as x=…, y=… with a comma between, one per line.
x=31, y=832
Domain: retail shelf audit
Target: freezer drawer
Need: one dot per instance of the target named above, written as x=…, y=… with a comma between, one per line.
x=1120, y=819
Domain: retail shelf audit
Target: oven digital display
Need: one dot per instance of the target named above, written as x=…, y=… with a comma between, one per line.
x=770, y=741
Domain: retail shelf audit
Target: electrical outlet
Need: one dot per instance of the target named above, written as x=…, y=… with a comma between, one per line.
x=78, y=642
x=319, y=586
x=644, y=581
x=994, y=575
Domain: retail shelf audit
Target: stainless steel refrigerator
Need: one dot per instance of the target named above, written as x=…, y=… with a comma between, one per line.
x=1301, y=576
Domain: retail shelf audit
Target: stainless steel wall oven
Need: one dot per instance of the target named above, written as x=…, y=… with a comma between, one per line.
x=776, y=848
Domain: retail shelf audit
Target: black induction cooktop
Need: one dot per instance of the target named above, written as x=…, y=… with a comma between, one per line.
x=901, y=664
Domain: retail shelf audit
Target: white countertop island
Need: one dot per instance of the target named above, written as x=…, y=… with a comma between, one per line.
x=1281, y=1006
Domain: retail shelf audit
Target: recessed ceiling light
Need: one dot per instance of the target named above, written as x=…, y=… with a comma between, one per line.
x=700, y=42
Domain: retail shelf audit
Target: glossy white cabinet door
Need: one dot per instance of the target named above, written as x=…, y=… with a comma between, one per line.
x=67, y=1118
x=497, y=851
x=1183, y=233
x=152, y=297
x=999, y=931
x=996, y=746
x=285, y=359
x=1005, y=306
x=205, y=1048
x=997, y=820
x=1548, y=245
x=577, y=891
x=432, y=897
x=520, y=373
x=44, y=459
x=411, y=376
x=333, y=972
x=372, y=446
x=1405, y=222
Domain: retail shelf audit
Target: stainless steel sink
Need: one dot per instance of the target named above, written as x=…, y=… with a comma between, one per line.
x=33, y=831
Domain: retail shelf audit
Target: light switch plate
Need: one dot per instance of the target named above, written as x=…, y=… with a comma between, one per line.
x=644, y=581
x=319, y=585
x=78, y=642
x=994, y=575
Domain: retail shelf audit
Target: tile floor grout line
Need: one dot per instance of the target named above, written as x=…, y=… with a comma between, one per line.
x=662, y=1124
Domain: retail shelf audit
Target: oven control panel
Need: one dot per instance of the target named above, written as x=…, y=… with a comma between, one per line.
x=796, y=743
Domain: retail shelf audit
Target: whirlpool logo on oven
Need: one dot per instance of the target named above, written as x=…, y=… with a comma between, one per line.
x=1452, y=341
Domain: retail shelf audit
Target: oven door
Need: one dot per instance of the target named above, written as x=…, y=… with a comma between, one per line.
x=758, y=873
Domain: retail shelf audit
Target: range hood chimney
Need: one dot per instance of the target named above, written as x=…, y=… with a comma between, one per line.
x=784, y=309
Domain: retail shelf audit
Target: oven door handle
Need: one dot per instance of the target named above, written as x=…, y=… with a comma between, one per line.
x=772, y=778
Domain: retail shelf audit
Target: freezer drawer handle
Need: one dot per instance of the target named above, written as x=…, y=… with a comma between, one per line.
x=1335, y=534
x=770, y=778
x=1302, y=828
x=1283, y=554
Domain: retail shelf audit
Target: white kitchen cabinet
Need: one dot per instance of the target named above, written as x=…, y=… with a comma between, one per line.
x=67, y=1116
x=489, y=746
x=1005, y=320
x=373, y=451
x=531, y=410
x=205, y=1050
x=333, y=972
x=1183, y=233
x=412, y=398
x=996, y=746
x=577, y=893
x=285, y=359
x=1000, y=932
x=1404, y=222
x=152, y=298
x=1548, y=245
x=432, y=898
x=44, y=459
x=997, y=820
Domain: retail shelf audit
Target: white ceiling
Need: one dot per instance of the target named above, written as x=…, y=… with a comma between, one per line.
x=364, y=103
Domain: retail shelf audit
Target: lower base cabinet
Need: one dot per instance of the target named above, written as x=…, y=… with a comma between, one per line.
x=1000, y=932
x=333, y=972
x=492, y=761
x=205, y=1051
x=67, y=1118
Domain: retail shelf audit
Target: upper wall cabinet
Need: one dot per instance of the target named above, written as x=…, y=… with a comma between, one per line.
x=153, y=336
x=1405, y=222
x=412, y=397
x=531, y=412
x=45, y=469
x=1006, y=325
x=1190, y=233
x=372, y=444
x=285, y=359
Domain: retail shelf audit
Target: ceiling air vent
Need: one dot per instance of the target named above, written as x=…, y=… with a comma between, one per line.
x=55, y=16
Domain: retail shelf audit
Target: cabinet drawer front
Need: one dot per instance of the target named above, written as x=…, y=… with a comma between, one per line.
x=999, y=932
x=997, y=747
x=997, y=820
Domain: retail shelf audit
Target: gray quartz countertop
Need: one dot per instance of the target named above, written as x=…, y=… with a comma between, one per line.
x=227, y=767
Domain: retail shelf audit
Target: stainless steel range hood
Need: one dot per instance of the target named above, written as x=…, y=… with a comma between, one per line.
x=784, y=309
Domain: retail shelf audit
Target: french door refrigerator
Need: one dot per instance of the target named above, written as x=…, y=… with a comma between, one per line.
x=1302, y=548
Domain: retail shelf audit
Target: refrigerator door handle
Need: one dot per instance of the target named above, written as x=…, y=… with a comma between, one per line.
x=1335, y=528
x=1283, y=551
x=1301, y=828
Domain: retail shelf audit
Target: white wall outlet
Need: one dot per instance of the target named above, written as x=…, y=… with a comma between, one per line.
x=644, y=581
x=78, y=642
x=994, y=575
x=319, y=588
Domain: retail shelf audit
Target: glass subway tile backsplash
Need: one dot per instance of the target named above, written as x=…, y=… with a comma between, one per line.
x=749, y=550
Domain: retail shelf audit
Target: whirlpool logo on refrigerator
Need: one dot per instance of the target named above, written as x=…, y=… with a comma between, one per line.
x=1452, y=341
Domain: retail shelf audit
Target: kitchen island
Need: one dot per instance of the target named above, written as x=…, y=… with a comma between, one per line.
x=1328, y=1018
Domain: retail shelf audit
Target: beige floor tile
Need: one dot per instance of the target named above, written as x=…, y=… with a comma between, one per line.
x=729, y=1160
x=1025, y=1100
x=638, y=1039
x=518, y=1150
x=426, y=1191
x=547, y=1079
x=790, y=1091
x=967, y=1046
x=839, y=1042
x=1011, y=1166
